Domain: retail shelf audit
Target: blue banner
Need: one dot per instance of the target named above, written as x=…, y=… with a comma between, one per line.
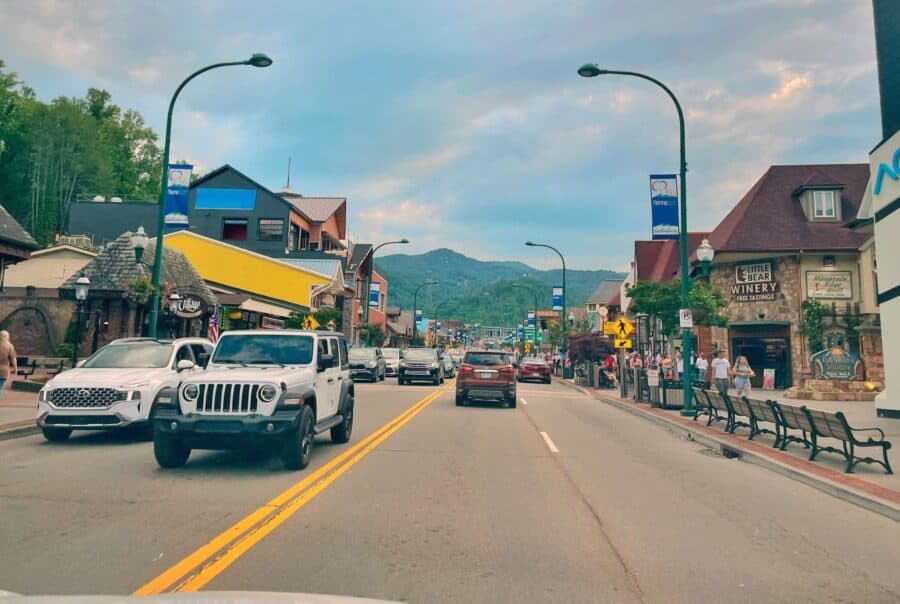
x=437, y=326
x=664, y=206
x=531, y=318
x=178, y=183
x=374, y=294
x=558, y=298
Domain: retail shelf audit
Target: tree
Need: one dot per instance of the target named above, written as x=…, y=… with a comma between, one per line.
x=663, y=301
x=329, y=318
x=812, y=325
x=371, y=333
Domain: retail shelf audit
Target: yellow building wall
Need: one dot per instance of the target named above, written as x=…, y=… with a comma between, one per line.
x=233, y=267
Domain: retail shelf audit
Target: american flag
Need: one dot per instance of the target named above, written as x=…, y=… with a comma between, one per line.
x=214, y=319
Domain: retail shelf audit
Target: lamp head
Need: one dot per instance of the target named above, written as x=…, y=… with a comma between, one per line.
x=82, y=286
x=259, y=59
x=404, y=240
x=705, y=252
x=590, y=70
x=530, y=243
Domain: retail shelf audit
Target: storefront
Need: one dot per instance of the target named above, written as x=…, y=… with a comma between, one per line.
x=767, y=347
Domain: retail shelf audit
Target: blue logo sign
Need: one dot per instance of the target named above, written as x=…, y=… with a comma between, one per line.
x=664, y=206
x=179, y=181
x=437, y=326
x=884, y=170
x=837, y=364
x=558, y=297
x=374, y=294
x=531, y=318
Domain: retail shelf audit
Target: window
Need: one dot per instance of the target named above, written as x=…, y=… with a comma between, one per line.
x=201, y=353
x=234, y=229
x=294, y=238
x=304, y=240
x=823, y=204
x=342, y=347
x=270, y=229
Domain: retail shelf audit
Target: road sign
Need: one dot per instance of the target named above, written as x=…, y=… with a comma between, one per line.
x=310, y=323
x=622, y=343
x=686, y=318
x=527, y=346
x=620, y=328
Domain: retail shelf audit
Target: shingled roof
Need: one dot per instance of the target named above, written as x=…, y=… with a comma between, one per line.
x=13, y=232
x=605, y=291
x=317, y=209
x=769, y=218
x=114, y=268
x=659, y=259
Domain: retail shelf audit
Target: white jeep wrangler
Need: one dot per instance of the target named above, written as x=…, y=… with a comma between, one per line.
x=262, y=389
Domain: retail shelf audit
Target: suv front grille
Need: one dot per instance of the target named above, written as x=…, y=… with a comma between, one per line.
x=85, y=397
x=227, y=398
x=419, y=364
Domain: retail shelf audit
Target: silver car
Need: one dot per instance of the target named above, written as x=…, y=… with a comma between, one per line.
x=392, y=358
x=449, y=366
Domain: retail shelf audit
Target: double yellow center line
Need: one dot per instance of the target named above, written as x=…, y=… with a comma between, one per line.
x=207, y=562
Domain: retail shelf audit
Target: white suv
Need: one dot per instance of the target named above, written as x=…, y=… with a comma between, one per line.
x=263, y=389
x=116, y=385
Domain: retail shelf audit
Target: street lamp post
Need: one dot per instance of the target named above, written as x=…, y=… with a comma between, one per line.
x=82, y=288
x=534, y=293
x=434, y=331
x=565, y=330
x=590, y=70
x=705, y=254
x=369, y=276
x=256, y=60
x=415, y=307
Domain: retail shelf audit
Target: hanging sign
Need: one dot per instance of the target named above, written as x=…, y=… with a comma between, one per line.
x=834, y=285
x=179, y=181
x=374, y=294
x=754, y=282
x=531, y=318
x=664, y=206
x=558, y=297
x=188, y=306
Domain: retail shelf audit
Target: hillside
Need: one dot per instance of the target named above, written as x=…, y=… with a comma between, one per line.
x=481, y=291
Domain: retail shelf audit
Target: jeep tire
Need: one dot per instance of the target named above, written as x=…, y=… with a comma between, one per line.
x=296, y=451
x=56, y=435
x=169, y=451
x=341, y=432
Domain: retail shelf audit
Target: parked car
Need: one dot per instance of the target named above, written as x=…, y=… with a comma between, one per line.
x=116, y=386
x=263, y=390
x=533, y=369
x=449, y=367
x=367, y=364
x=392, y=357
x=421, y=365
x=486, y=375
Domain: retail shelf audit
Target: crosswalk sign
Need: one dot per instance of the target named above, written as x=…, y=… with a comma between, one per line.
x=310, y=323
x=619, y=328
x=623, y=343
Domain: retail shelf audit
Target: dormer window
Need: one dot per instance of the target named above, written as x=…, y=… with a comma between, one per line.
x=824, y=205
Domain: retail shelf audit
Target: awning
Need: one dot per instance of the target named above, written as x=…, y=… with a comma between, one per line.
x=265, y=308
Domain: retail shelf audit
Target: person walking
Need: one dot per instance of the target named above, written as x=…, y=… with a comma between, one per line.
x=679, y=364
x=665, y=363
x=8, y=363
x=742, y=375
x=701, y=365
x=721, y=372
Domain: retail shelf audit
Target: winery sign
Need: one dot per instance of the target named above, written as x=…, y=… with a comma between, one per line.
x=754, y=282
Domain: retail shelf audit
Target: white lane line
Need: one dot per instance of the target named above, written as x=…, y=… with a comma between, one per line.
x=549, y=442
x=524, y=402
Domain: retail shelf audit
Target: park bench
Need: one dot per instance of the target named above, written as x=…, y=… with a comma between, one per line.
x=721, y=409
x=701, y=402
x=55, y=369
x=740, y=408
x=27, y=370
x=834, y=425
x=761, y=412
x=791, y=418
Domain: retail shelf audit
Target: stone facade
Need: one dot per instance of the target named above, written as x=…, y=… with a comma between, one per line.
x=36, y=319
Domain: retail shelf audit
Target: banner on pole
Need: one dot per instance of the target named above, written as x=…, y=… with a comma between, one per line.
x=664, y=206
x=374, y=294
x=178, y=183
x=531, y=318
x=558, y=298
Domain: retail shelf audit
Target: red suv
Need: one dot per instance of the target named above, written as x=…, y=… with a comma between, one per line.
x=486, y=375
x=533, y=368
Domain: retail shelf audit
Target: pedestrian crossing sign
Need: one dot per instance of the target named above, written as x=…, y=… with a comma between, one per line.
x=310, y=323
x=622, y=343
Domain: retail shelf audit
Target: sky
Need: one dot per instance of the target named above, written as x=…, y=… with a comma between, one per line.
x=464, y=124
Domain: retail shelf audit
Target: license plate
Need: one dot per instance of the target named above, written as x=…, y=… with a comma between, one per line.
x=417, y=372
x=485, y=374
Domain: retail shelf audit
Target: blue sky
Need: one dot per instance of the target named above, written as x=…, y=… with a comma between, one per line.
x=464, y=124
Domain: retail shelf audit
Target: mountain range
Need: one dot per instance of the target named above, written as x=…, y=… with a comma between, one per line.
x=479, y=291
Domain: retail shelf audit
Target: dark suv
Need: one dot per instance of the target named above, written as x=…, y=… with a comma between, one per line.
x=488, y=375
x=420, y=365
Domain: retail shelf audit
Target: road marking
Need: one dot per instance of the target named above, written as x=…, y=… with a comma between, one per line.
x=203, y=565
x=524, y=402
x=549, y=442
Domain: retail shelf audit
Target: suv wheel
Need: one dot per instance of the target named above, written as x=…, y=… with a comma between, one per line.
x=511, y=403
x=297, y=448
x=341, y=432
x=169, y=452
x=55, y=435
x=460, y=400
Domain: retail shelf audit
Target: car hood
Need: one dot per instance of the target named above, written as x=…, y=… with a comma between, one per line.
x=108, y=377
x=253, y=373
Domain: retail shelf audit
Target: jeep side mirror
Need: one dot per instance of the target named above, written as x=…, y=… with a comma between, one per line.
x=184, y=364
x=325, y=361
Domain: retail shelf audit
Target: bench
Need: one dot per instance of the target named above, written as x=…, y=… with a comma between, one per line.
x=719, y=404
x=701, y=402
x=739, y=408
x=56, y=369
x=28, y=369
x=762, y=412
x=791, y=418
x=834, y=425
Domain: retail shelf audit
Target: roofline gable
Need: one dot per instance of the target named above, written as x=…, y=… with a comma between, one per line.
x=222, y=169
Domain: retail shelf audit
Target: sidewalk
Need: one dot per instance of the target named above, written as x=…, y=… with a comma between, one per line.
x=868, y=486
x=17, y=413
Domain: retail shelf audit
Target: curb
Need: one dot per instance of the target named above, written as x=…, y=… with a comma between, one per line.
x=18, y=429
x=845, y=493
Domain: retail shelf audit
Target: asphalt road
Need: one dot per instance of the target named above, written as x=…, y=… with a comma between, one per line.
x=563, y=499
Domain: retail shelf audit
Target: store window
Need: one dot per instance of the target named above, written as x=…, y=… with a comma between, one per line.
x=270, y=229
x=294, y=238
x=823, y=205
x=304, y=240
x=234, y=229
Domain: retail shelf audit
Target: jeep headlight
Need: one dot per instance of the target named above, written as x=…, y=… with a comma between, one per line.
x=190, y=392
x=268, y=393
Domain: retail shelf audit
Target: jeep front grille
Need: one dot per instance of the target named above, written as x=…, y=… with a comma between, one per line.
x=227, y=398
x=85, y=397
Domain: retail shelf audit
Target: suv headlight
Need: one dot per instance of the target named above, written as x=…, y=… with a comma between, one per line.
x=190, y=392
x=44, y=395
x=268, y=393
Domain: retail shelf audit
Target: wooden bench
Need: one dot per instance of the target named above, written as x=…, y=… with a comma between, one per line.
x=28, y=369
x=701, y=402
x=791, y=418
x=762, y=412
x=739, y=408
x=834, y=425
x=720, y=405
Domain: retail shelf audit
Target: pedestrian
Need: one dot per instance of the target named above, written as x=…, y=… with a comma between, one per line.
x=721, y=372
x=8, y=363
x=679, y=364
x=665, y=363
x=701, y=365
x=742, y=374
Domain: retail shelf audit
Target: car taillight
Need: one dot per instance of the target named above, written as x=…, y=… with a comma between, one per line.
x=508, y=370
x=465, y=369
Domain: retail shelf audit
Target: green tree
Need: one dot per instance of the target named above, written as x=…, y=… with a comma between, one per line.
x=326, y=317
x=663, y=301
x=812, y=325
x=371, y=333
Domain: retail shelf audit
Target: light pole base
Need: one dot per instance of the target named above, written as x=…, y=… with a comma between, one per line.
x=688, y=413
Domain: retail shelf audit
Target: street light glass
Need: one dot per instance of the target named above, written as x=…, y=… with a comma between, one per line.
x=530, y=243
x=590, y=70
x=403, y=241
x=705, y=252
x=259, y=59
x=82, y=286
x=139, y=238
